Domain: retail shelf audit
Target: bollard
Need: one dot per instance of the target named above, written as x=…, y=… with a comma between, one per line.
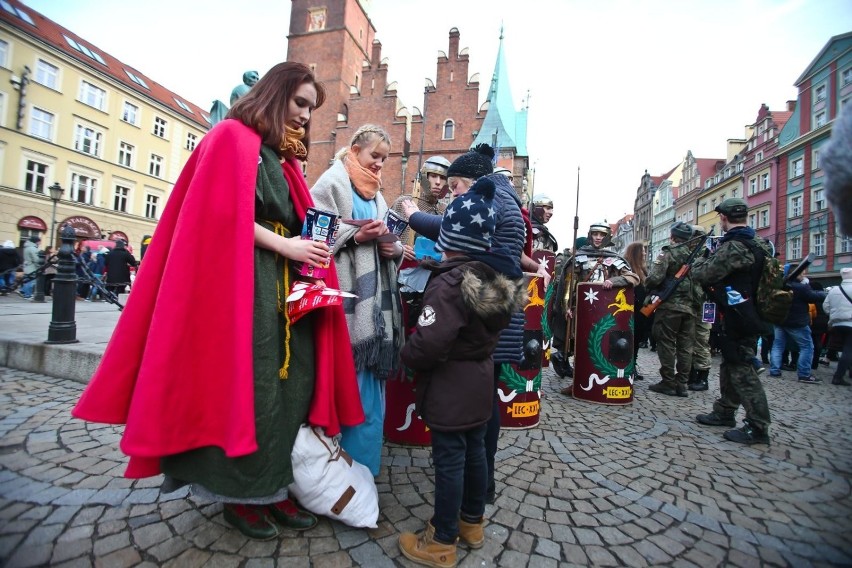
x=63, y=327
x=38, y=295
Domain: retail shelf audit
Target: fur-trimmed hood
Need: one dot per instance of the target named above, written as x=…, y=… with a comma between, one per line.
x=490, y=295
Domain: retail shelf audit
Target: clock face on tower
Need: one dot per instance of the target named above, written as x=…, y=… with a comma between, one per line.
x=316, y=19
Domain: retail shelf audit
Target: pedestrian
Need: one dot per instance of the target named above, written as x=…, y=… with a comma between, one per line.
x=819, y=325
x=838, y=306
x=118, y=262
x=540, y=215
x=97, y=268
x=466, y=305
x=49, y=271
x=82, y=258
x=705, y=316
x=367, y=260
x=731, y=266
x=9, y=263
x=796, y=330
x=674, y=322
x=636, y=255
x=214, y=381
x=30, y=266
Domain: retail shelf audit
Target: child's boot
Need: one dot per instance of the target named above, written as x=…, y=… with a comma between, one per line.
x=472, y=533
x=423, y=549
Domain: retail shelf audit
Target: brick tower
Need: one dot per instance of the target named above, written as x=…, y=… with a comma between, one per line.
x=337, y=39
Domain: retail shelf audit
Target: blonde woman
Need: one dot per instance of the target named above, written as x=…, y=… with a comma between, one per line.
x=367, y=260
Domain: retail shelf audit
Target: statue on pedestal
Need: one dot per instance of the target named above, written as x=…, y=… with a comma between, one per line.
x=219, y=110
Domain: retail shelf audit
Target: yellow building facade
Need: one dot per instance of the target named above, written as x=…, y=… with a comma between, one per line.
x=112, y=138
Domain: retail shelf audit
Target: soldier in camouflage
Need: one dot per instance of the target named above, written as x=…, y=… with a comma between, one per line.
x=731, y=265
x=701, y=357
x=674, y=320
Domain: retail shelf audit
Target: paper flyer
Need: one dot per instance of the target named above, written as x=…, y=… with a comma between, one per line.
x=319, y=226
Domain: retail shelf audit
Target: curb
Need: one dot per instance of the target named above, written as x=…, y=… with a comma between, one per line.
x=61, y=361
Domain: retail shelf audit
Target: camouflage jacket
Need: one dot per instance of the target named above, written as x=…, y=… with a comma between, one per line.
x=664, y=267
x=731, y=265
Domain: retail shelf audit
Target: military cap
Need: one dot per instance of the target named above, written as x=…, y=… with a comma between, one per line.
x=681, y=230
x=733, y=207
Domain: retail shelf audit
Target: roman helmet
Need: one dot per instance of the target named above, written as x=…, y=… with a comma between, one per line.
x=602, y=227
x=505, y=171
x=433, y=165
x=539, y=202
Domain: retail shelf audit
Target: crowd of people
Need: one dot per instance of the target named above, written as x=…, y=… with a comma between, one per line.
x=213, y=389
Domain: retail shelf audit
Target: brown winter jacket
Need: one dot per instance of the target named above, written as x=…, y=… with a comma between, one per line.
x=465, y=306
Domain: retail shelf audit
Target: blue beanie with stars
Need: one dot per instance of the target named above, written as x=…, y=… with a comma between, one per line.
x=469, y=221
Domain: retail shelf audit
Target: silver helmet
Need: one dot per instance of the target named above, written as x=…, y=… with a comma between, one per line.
x=542, y=200
x=602, y=227
x=433, y=165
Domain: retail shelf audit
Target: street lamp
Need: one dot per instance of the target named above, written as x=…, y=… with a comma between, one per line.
x=56, y=192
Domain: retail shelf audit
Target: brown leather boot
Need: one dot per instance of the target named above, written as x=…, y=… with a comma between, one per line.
x=423, y=549
x=472, y=533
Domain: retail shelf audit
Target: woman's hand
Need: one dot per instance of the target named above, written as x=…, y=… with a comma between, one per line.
x=371, y=231
x=315, y=253
x=390, y=250
x=409, y=208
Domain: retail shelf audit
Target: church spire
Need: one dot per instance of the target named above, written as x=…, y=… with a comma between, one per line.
x=503, y=127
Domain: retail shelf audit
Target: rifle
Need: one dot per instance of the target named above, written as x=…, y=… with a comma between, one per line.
x=801, y=267
x=671, y=284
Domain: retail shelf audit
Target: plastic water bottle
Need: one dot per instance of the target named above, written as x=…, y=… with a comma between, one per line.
x=734, y=297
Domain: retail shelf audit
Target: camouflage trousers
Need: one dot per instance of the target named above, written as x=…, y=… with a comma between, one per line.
x=701, y=347
x=739, y=383
x=675, y=334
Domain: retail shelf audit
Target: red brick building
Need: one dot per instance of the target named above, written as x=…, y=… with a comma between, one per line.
x=338, y=41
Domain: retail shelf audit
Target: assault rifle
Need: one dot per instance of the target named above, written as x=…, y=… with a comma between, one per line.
x=671, y=284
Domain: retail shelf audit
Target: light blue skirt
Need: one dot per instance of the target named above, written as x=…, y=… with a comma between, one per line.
x=364, y=441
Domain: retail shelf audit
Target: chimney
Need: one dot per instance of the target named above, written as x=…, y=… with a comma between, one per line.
x=376, y=58
x=791, y=106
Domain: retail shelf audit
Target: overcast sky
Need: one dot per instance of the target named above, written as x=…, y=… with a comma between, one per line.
x=616, y=86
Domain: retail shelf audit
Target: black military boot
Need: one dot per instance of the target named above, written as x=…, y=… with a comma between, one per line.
x=700, y=383
x=716, y=419
x=693, y=377
x=664, y=387
x=559, y=362
x=749, y=434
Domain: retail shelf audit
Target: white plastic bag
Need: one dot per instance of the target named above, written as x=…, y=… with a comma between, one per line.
x=328, y=482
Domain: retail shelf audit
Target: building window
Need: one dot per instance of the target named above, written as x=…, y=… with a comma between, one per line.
x=191, y=141
x=844, y=244
x=137, y=79
x=818, y=244
x=752, y=186
x=818, y=201
x=758, y=157
x=794, y=248
x=797, y=167
x=36, y=177
x=796, y=206
x=130, y=113
x=92, y=95
x=764, y=181
x=155, y=166
x=449, y=130
x=47, y=74
x=704, y=208
x=819, y=119
x=4, y=52
x=846, y=77
x=151, y=205
x=763, y=219
x=819, y=93
x=41, y=124
x=125, y=155
x=752, y=220
x=815, y=160
x=690, y=215
x=159, y=127
x=87, y=140
x=119, y=202
x=83, y=189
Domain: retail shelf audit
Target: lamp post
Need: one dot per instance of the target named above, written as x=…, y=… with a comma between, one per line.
x=56, y=192
x=63, y=326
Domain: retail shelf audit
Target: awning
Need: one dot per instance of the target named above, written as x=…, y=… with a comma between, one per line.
x=32, y=222
x=84, y=227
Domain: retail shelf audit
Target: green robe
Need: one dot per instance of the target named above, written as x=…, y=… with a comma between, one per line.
x=281, y=405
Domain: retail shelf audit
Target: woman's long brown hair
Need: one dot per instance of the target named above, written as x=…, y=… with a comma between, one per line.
x=264, y=107
x=635, y=256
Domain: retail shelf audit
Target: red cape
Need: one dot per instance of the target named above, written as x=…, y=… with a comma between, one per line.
x=178, y=369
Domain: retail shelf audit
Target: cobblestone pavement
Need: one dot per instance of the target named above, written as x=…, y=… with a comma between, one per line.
x=633, y=485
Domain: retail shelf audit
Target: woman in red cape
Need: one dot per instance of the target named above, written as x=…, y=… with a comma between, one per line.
x=211, y=379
